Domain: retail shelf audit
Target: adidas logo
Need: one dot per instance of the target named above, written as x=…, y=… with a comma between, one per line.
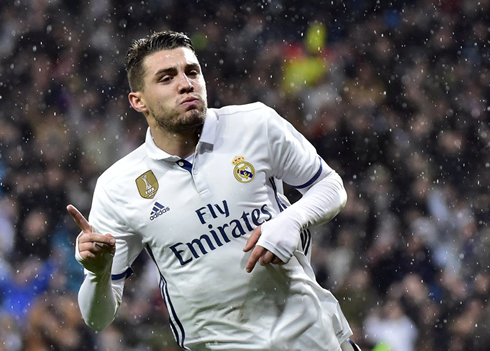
x=158, y=209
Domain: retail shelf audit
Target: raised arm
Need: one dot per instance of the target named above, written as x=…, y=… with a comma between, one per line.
x=99, y=297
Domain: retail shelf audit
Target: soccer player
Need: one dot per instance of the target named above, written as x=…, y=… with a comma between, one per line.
x=203, y=196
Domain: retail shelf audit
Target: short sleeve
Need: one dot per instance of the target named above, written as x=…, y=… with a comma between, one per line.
x=294, y=160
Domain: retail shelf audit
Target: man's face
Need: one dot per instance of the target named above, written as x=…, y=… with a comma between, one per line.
x=174, y=93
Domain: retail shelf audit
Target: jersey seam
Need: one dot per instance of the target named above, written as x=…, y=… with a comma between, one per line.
x=221, y=112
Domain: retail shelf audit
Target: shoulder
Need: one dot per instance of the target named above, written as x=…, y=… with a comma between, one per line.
x=256, y=108
x=127, y=167
x=249, y=116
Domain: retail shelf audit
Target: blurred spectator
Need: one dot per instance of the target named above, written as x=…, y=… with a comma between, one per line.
x=10, y=334
x=19, y=288
x=55, y=324
x=33, y=239
x=389, y=325
x=8, y=213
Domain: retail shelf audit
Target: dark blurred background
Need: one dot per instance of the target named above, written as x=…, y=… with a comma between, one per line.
x=394, y=95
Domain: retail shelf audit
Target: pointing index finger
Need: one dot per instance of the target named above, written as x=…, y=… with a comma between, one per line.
x=79, y=219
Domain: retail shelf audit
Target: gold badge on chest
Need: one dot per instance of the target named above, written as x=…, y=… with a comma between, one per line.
x=147, y=185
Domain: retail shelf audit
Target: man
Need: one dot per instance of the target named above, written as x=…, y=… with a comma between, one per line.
x=203, y=196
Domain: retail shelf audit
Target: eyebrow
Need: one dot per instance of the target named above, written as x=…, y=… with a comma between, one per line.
x=164, y=71
x=173, y=70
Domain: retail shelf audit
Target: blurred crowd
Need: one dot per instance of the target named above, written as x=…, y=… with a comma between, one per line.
x=394, y=95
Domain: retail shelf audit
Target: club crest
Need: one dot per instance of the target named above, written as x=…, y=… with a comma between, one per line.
x=244, y=172
x=147, y=185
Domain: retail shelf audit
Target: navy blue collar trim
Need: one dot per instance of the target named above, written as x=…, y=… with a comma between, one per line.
x=185, y=165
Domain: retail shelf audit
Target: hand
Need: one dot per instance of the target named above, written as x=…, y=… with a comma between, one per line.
x=259, y=253
x=96, y=250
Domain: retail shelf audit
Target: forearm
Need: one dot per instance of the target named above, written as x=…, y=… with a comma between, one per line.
x=99, y=300
x=319, y=204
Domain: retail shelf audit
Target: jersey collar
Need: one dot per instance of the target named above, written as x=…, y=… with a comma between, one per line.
x=208, y=136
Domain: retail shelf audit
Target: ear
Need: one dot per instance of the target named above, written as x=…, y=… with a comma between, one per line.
x=137, y=102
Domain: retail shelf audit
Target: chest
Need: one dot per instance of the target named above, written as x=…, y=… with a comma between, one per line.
x=201, y=209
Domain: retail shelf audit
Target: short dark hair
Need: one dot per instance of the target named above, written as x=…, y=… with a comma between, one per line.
x=166, y=40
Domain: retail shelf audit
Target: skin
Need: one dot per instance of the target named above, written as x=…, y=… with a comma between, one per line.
x=174, y=103
x=259, y=253
x=95, y=249
x=173, y=100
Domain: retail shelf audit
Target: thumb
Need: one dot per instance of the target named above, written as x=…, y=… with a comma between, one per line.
x=79, y=219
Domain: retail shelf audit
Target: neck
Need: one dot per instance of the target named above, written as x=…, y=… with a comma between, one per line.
x=178, y=144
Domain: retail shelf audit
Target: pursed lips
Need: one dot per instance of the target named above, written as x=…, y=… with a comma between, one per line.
x=190, y=101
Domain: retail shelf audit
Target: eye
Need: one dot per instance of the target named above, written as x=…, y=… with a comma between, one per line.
x=165, y=79
x=193, y=73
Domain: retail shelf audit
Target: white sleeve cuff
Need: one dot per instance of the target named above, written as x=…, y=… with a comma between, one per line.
x=77, y=252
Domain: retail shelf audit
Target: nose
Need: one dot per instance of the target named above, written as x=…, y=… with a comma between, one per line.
x=185, y=84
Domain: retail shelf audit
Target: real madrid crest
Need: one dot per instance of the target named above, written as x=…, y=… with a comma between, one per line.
x=244, y=172
x=147, y=185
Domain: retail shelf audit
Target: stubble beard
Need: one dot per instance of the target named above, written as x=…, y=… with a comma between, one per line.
x=180, y=123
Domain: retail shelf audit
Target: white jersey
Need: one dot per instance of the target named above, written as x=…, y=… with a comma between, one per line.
x=194, y=220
